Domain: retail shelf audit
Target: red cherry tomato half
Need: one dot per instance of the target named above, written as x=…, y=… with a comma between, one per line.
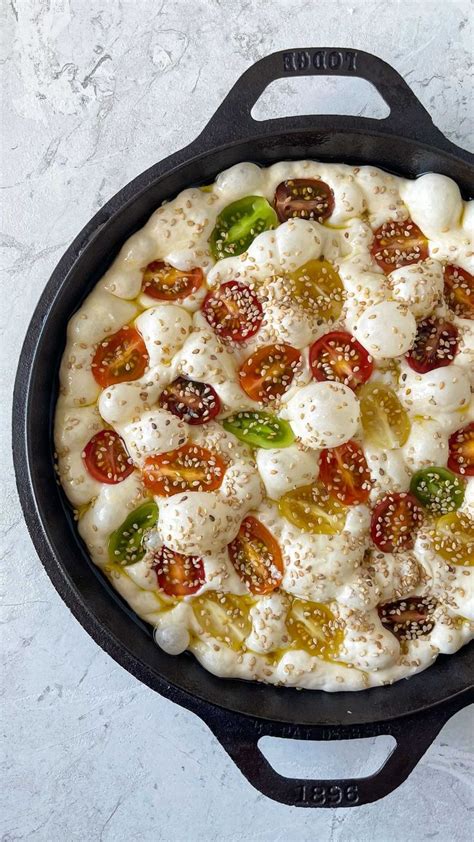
x=339, y=356
x=233, y=311
x=106, y=458
x=394, y=521
x=268, y=372
x=435, y=345
x=307, y=198
x=257, y=557
x=188, y=468
x=120, y=357
x=398, y=244
x=193, y=402
x=164, y=282
x=459, y=291
x=345, y=473
x=461, y=451
x=177, y=574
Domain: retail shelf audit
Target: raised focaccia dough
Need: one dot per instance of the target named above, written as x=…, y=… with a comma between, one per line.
x=322, y=623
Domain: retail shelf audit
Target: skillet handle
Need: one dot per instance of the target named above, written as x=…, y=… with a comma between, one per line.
x=408, y=117
x=413, y=737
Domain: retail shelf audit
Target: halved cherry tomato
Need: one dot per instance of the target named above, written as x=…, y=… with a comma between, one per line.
x=317, y=287
x=453, y=538
x=259, y=429
x=312, y=509
x=409, y=618
x=127, y=543
x=384, y=420
x=177, y=574
x=269, y=371
x=193, y=402
x=188, y=468
x=224, y=616
x=238, y=225
x=233, y=311
x=339, y=356
x=438, y=490
x=461, y=451
x=120, y=357
x=106, y=458
x=394, y=521
x=345, y=473
x=398, y=244
x=256, y=556
x=435, y=345
x=459, y=291
x=164, y=282
x=313, y=627
x=307, y=198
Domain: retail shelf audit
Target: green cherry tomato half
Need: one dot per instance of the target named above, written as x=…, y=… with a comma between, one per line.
x=238, y=225
x=126, y=544
x=438, y=490
x=259, y=429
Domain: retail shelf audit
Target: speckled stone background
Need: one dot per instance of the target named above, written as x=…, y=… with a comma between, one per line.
x=95, y=91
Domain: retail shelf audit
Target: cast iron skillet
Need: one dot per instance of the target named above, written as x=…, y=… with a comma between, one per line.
x=238, y=712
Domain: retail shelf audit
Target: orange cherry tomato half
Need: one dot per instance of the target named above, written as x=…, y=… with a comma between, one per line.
x=461, y=451
x=106, y=458
x=177, y=574
x=345, y=473
x=459, y=291
x=233, y=311
x=268, y=372
x=394, y=522
x=188, y=468
x=307, y=198
x=193, y=402
x=435, y=345
x=120, y=357
x=257, y=557
x=164, y=282
x=339, y=356
x=398, y=244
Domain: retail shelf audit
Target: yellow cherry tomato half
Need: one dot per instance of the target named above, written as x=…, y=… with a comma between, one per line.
x=453, y=538
x=317, y=287
x=384, y=420
x=224, y=616
x=313, y=627
x=313, y=509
